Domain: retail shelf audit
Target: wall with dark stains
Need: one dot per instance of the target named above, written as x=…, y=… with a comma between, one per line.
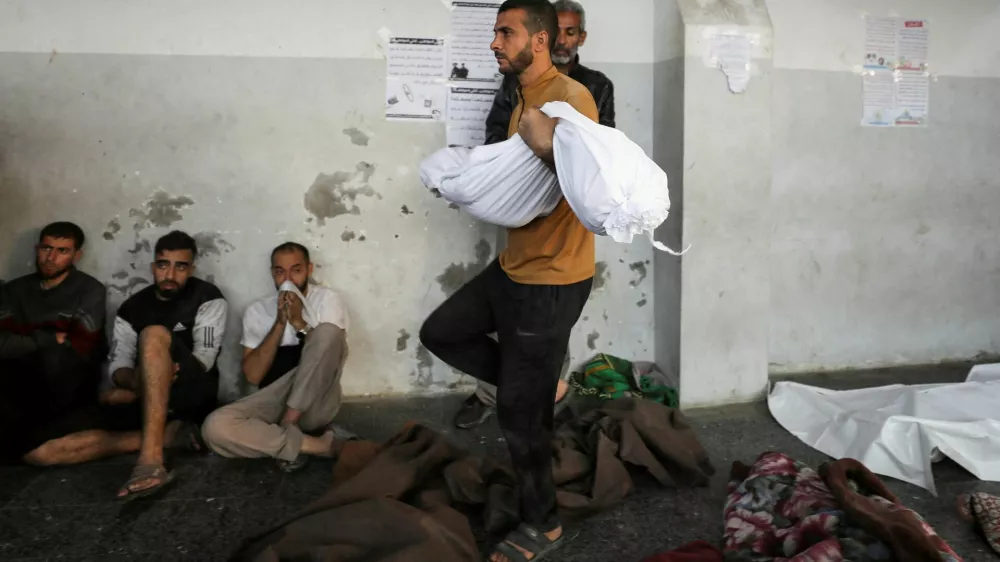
x=249, y=126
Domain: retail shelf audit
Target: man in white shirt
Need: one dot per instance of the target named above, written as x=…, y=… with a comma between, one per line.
x=294, y=348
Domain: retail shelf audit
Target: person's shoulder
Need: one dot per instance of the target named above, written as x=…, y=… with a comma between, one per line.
x=19, y=284
x=325, y=294
x=204, y=291
x=136, y=301
x=260, y=306
x=590, y=76
x=578, y=96
x=87, y=282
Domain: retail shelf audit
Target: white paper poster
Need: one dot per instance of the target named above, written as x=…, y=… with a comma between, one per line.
x=896, y=83
x=896, y=43
x=732, y=54
x=468, y=108
x=469, y=53
x=415, y=84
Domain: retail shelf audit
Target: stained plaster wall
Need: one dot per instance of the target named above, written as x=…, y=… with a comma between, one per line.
x=883, y=248
x=250, y=123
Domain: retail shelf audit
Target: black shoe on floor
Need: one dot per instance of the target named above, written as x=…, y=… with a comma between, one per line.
x=473, y=413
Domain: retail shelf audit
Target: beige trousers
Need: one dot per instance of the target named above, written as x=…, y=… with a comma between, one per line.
x=249, y=428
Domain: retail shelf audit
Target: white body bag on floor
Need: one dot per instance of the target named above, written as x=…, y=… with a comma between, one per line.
x=608, y=181
x=899, y=430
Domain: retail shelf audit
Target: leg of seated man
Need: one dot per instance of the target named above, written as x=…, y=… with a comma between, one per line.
x=84, y=446
x=156, y=373
x=252, y=428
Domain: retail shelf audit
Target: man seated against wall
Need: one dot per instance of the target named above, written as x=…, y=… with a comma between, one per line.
x=51, y=347
x=166, y=340
x=294, y=349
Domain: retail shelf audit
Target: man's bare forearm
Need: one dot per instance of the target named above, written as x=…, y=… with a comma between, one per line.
x=258, y=361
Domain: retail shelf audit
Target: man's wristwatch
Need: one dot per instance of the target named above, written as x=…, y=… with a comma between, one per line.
x=301, y=334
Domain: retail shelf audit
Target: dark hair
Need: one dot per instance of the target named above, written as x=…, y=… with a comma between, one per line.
x=175, y=241
x=64, y=230
x=291, y=247
x=541, y=16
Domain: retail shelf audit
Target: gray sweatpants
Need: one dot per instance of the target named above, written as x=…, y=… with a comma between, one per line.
x=249, y=428
x=487, y=392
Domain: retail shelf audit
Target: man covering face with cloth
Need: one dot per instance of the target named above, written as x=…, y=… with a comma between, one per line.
x=294, y=349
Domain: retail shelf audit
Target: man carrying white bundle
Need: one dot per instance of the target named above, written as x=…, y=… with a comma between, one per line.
x=531, y=297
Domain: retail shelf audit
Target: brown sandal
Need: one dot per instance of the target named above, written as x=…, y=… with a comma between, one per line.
x=145, y=472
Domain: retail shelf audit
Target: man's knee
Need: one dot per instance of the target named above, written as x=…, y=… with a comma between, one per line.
x=328, y=333
x=430, y=335
x=56, y=451
x=155, y=337
x=44, y=455
x=217, y=429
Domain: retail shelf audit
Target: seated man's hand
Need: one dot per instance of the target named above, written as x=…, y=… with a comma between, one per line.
x=536, y=130
x=61, y=337
x=295, y=307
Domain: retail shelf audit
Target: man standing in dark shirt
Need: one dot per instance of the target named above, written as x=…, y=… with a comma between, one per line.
x=166, y=341
x=51, y=345
x=572, y=36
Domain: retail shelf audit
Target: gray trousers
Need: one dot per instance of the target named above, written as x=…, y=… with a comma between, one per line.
x=249, y=428
x=487, y=393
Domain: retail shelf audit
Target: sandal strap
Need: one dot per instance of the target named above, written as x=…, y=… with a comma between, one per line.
x=145, y=471
x=511, y=553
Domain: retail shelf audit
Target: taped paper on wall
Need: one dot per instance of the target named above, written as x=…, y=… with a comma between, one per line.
x=732, y=54
x=895, y=80
x=896, y=43
x=467, y=111
x=469, y=45
x=895, y=99
x=416, y=69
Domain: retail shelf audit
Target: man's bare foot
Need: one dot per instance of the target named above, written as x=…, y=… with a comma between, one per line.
x=561, y=390
x=325, y=446
x=552, y=535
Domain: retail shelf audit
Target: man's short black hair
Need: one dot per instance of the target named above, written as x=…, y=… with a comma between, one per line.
x=291, y=247
x=541, y=16
x=64, y=230
x=176, y=241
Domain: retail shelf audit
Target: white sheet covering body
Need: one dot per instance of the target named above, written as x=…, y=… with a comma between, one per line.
x=503, y=184
x=898, y=430
x=608, y=181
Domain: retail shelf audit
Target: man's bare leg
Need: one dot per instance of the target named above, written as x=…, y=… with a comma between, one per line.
x=156, y=372
x=86, y=446
x=83, y=447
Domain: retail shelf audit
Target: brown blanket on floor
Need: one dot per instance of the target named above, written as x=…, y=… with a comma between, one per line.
x=404, y=505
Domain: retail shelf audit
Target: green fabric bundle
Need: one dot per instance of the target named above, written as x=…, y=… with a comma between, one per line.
x=609, y=377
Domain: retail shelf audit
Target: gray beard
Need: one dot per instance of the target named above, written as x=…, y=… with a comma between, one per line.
x=563, y=60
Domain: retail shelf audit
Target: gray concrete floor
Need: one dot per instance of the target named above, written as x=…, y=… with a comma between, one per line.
x=70, y=513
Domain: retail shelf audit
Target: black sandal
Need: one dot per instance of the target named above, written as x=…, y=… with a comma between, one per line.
x=531, y=540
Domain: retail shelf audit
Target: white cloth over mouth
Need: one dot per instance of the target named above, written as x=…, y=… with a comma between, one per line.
x=608, y=181
x=899, y=430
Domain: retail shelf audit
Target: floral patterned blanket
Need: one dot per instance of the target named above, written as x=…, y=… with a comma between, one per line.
x=782, y=510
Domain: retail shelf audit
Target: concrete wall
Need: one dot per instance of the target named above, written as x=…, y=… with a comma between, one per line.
x=250, y=123
x=883, y=247
x=668, y=152
x=727, y=182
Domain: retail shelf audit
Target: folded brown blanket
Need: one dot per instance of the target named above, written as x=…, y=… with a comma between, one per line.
x=409, y=502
